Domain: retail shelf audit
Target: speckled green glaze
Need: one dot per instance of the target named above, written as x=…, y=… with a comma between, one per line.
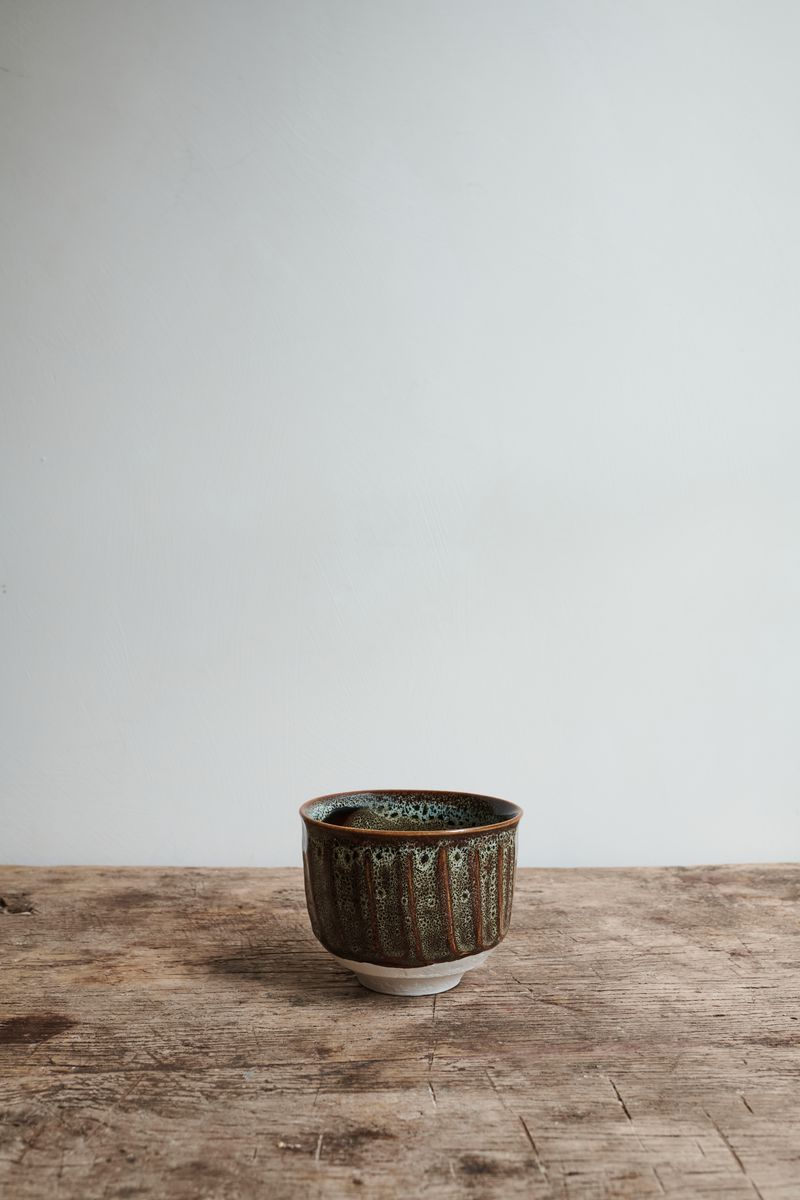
x=410, y=878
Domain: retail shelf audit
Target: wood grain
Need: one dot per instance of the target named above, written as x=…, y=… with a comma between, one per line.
x=181, y=1034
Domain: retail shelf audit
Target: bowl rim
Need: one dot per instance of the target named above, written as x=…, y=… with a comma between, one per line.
x=392, y=834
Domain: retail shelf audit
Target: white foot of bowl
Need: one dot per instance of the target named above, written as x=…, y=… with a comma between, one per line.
x=414, y=981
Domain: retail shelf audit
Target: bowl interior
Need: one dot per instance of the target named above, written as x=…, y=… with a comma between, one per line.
x=410, y=811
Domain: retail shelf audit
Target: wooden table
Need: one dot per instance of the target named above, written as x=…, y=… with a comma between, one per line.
x=180, y=1034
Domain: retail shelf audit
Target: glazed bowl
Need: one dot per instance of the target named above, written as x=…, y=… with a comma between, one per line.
x=409, y=889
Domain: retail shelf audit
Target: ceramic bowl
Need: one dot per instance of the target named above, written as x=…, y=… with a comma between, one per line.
x=409, y=889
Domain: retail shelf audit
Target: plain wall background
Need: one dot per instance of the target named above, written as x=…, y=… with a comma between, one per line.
x=399, y=394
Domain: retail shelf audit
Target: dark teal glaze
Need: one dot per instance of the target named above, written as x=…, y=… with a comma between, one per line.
x=409, y=878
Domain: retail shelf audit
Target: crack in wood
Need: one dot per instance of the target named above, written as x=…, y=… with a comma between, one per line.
x=537, y=1158
x=494, y=1086
x=618, y=1094
x=432, y=1054
x=732, y=1150
x=542, y=1000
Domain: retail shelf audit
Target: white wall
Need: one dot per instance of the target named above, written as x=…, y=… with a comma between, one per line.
x=399, y=394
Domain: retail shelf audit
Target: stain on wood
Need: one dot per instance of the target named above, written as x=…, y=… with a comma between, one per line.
x=181, y=1034
x=15, y=905
x=38, y=1028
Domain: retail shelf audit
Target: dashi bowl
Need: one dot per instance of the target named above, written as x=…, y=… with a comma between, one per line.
x=409, y=889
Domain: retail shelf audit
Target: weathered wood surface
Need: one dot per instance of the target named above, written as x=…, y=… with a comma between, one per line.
x=180, y=1034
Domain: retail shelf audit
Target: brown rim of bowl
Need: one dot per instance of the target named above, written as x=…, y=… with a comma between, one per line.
x=507, y=823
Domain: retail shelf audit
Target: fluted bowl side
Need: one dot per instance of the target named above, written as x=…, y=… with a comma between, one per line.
x=409, y=897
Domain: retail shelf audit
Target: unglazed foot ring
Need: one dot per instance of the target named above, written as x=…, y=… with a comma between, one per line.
x=413, y=981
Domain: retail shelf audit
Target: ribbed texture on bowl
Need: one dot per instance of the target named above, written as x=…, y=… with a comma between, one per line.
x=409, y=900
